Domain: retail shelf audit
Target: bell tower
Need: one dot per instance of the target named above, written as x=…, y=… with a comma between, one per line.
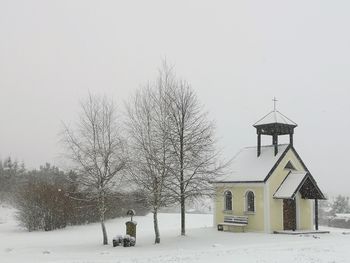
x=274, y=124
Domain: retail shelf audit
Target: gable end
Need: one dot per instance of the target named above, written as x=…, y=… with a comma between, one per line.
x=278, y=162
x=299, y=159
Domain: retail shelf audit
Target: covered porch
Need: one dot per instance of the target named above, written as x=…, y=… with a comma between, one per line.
x=297, y=183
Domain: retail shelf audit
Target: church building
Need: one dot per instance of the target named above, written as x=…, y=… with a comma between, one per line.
x=270, y=189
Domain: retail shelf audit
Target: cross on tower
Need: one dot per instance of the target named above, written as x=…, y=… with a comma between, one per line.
x=274, y=103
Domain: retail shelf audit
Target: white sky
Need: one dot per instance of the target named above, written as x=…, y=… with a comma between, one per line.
x=236, y=54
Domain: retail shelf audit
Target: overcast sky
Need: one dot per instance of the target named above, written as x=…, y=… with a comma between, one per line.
x=237, y=55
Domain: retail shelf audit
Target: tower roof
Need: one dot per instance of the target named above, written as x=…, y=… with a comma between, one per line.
x=275, y=117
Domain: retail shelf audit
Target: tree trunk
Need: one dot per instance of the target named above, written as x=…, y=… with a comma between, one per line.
x=102, y=218
x=183, y=213
x=104, y=233
x=182, y=204
x=182, y=183
x=156, y=228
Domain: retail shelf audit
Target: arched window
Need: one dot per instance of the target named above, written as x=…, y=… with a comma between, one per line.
x=250, y=207
x=228, y=200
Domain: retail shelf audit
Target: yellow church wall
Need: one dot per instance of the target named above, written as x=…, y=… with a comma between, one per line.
x=305, y=208
x=255, y=219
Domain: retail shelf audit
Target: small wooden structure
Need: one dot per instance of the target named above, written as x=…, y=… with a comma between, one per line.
x=131, y=225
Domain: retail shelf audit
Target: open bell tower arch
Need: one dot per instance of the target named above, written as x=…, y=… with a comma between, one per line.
x=274, y=124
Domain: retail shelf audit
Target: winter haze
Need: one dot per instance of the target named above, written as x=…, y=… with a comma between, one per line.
x=237, y=55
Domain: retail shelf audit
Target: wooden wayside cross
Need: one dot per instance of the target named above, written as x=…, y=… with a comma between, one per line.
x=131, y=212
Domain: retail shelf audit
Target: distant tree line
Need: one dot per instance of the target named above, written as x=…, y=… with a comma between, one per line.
x=11, y=172
x=337, y=205
x=335, y=212
x=48, y=198
x=340, y=205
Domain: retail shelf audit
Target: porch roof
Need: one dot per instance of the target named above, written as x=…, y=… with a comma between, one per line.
x=298, y=181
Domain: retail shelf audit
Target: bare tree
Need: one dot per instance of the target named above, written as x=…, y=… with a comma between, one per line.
x=195, y=157
x=150, y=145
x=97, y=149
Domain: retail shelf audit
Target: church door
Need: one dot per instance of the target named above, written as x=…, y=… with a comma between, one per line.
x=289, y=214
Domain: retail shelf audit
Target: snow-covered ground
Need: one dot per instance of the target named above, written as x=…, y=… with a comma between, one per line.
x=82, y=244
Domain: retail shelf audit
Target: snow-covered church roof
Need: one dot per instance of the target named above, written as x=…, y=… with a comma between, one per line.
x=247, y=167
x=275, y=117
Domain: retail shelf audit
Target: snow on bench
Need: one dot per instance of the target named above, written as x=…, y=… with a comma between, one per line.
x=241, y=221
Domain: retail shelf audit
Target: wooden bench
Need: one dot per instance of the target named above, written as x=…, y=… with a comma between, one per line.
x=241, y=221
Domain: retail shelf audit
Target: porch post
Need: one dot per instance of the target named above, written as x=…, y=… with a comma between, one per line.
x=316, y=214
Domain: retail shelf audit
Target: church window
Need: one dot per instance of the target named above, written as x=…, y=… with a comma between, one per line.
x=250, y=206
x=228, y=200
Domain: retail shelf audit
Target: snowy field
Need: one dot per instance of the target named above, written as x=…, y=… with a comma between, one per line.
x=82, y=244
